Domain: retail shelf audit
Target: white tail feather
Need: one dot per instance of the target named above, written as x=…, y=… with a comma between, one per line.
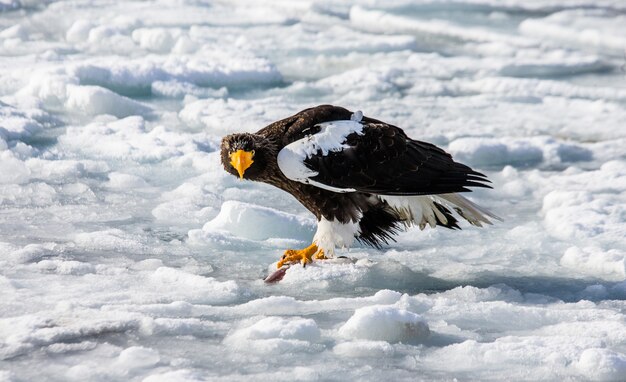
x=421, y=210
x=469, y=210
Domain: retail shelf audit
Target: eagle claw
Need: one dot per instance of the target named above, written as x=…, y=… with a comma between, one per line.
x=303, y=256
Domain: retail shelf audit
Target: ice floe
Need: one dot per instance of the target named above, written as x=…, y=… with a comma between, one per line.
x=385, y=323
x=259, y=223
x=272, y=335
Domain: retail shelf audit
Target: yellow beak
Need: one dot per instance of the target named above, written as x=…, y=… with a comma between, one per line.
x=241, y=160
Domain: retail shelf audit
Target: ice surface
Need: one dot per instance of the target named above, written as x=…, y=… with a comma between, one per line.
x=259, y=223
x=385, y=323
x=594, y=29
x=127, y=253
x=272, y=335
x=601, y=364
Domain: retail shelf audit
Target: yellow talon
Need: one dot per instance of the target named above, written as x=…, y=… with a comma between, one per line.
x=303, y=256
x=320, y=255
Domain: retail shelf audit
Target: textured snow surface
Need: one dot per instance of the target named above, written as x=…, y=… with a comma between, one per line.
x=127, y=253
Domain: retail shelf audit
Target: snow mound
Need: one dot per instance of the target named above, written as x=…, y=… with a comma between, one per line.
x=78, y=31
x=253, y=222
x=580, y=215
x=137, y=357
x=595, y=261
x=602, y=365
x=121, y=181
x=32, y=253
x=385, y=323
x=155, y=39
x=586, y=206
x=56, y=89
x=275, y=335
x=95, y=100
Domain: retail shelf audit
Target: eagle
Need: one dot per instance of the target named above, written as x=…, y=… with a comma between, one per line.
x=362, y=178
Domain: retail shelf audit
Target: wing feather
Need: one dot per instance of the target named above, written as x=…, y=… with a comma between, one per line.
x=373, y=157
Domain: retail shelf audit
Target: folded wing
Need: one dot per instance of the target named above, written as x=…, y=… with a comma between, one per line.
x=373, y=157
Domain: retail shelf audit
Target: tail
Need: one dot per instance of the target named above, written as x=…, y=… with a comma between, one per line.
x=434, y=210
x=387, y=215
x=468, y=210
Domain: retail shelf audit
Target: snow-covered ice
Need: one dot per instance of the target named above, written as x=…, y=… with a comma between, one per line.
x=127, y=253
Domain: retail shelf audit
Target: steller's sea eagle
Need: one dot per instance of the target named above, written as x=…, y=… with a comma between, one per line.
x=360, y=177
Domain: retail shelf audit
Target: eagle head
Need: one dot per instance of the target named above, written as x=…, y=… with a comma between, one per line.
x=245, y=155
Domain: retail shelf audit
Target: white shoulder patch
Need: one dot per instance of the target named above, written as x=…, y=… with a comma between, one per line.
x=330, y=138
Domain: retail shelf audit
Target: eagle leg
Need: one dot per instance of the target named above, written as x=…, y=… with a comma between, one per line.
x=304, y=256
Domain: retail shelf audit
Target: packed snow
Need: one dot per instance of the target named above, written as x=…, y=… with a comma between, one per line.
x=127, y=253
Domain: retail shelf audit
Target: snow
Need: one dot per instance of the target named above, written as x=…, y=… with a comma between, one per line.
x=13, y=170
x=258, y=223
x=595, y=29
x=358, y=349
x=154, y=39
x=516, y=152
x=595, y=261
x=275, y=335
x=95, y=100
x=603, y=365
x=385, y=323
x=127, y=253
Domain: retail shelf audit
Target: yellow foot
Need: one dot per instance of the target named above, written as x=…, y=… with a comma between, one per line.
x=303, y=256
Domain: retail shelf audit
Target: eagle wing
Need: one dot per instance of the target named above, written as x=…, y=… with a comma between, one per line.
x=370, y=156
